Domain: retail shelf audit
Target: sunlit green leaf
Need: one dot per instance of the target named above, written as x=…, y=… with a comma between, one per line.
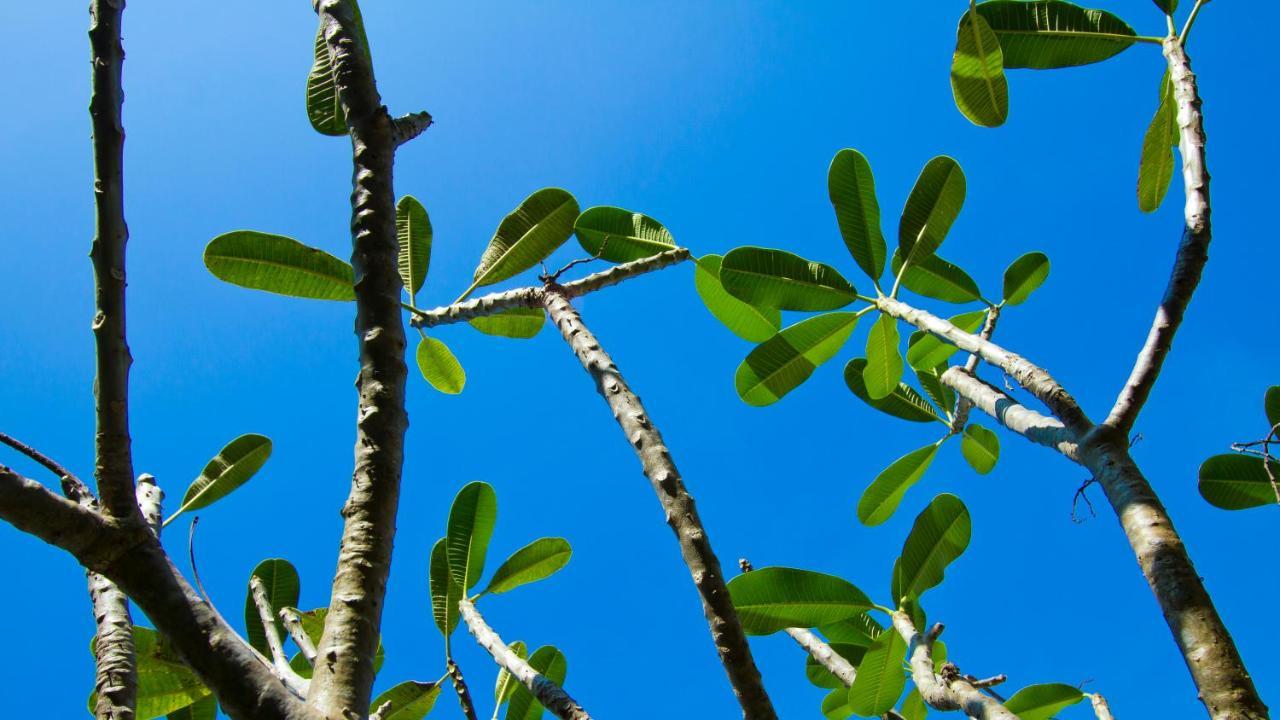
x=747, y=321
x=904, y=402
x=445, y=591
x=620, y=236
x=858, y=630
x=933, y=277
x=926, y=351
x=835, y=706
x=913, y=707
x=516, y=323
x=822, y=677
x=440, y=367
x=1158, y=164
x=977, y=73
x=931, y=209
x=533, y=562
x=931, y=382
x=981, y=448
x=1050, y=34
x=413, y=233
x=530, y=233
x=471, y=520
x=881, y=498
x=852, y=188
x=780, y=364
x=1168, y=6
x=775, y=598
x=206, y=709
x=881, y=678
x=277, y=264
x=1042, y=702
x=883, y=371
x=232, y=467
x=165, y=684
x=1239, y=482
x=282, y=584
x=1024, y=276
x=778, y=279
x=409, y=701
x=324, y=108
x=939, y=536
x=1271, y=404
x=551, y=664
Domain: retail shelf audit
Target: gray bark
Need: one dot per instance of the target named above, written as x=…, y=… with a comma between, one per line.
x=681, y=513
x=947, y=691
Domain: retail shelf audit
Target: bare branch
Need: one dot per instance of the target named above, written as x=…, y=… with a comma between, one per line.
x=279, y=661
x=1037, y=428
x=151, y=502
x=1100, y=707
x=408, y=127
x=293, y=623
x=551, y=695
x=947, y=690
x=678, y=505
x=961, y=417
x=460, y=687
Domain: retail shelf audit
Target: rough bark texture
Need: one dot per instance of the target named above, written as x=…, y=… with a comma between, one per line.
x=460, y=688
x=116, y=671
x=293, y=623
x=151, y=502
x=1037, y=428
x=827, y=657
x=551, y=695
x=681, y=514
x=947, y=691
x=343, y=676
x=1193, y=252
x=964, y=405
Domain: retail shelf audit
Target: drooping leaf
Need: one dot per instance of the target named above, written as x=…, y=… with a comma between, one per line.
x=278, y=264
x=282, y=585
x=883, y=371
x=1041, y=702
x=881, y=498
x=881, y=678
x=745, y=320
x=1024, y=276
x=1271, y=404
x=780, y=364
x=977, y=73
x=531, y=232
x=852, y=188
x=445, y=591
x=904, y=402
x=516, y=323
x=1239, y=482
x=981, y=448
x=621, y=236
x=507, y=683
x=835, y=706
x=551, y=664
x=1158, y=164
x=931, y=209
x=206, y=709
x=778, y=279
x=228, y=470
x=313, y=626
x=822, y=677
x=413, y=232
x=439, y=366
x=775, y=598
x=533, y=562
x=165, y=684
x=926, y=351
x=1048, y=34
x=471, y=521
x=933, y=277
x=409, y=701
x=931, y=382
x=939, y=535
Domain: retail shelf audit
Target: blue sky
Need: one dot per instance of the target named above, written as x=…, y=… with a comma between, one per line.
x=719, y=119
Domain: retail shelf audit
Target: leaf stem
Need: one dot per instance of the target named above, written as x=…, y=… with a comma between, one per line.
x=1191, y=21
x=897, y=281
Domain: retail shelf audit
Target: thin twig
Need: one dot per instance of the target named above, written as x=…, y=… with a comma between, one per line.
x=293, y=623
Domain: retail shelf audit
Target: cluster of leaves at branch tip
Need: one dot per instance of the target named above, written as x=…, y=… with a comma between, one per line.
x=456, y=566
x=774, y=599
x=1249, y=477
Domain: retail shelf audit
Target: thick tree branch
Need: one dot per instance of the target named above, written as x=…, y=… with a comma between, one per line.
x=529, y=297
x=1193, y=252
x=551, y=695
x=947, y=690
x=343, y=677
x=1037, y=428
x=681, y=513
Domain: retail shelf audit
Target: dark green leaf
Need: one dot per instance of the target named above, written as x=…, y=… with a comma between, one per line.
x=913, y=707
x=165, y=684
x=858, y=630
x=835, y=706
x=551, y=664
x=1024, y=276
x=883, y=371
x=931, y=382
x=779, y=279
x=1239, y=482
x=853, y=193
x=904, y=402
x=1052, y=34
x=409, y=701
x=1168, y=6
x=620, y=236
x=822, y=677
x=471, y=521
x=206, y=709
x=533, y=562
x=1041, y=702
x=313, y=626
x=977, y=73
x=1271, y=404
x=527, y=236
x=926, y=351
x=516, y=323
x=324, y=107
x=981, y=448
x=413, y=233
x=743, y=319
x=933, y=277
x=775, y=598
x=228, y=470
x=782, y=363
x=881, y=498
x=939, y=535
x=282, y=584
x=278, y=264
x=445, y=591
x=931, y=209
x=1158, y=164
x=440, y=367
x=880, y=679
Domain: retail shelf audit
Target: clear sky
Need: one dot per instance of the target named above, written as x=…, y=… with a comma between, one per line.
x=719, y=119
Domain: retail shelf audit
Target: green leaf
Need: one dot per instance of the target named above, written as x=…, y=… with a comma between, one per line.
x=324, y=108
x=1052, y=34
x=1024, y=276
x=913, y=708
x=931, y=209
x=539, y=559
x=933, y=277
x=206, y=709
x=931, y=382
x=858, y=630
x=445, y=591
x=413, y=233
x=440, y=367
x=621, y=236
x=926, y=351
x=1041, y=702
x=409, y=701
x=852, y=188
x=880, y=679
x=527, y=236
x=822, y=677
x=165, y=684
x=904, y=402
x=835, y=706
x=1239, y=482
x=282, y=585
x=881, y=498
x=981, y=448
x=551, y=664
x=745, y=320
x=1158, y=164
x=228, y=470
x=780, y=364
x=507, y=684
x=1168, y=6
x=775, y=598
x=313, y=626
x=977, y=73
x=278, y=264
x=939, y=536
x=516, y=323
x=883, y=371
x=471, y=521
x=1271, y=404
x=778, y=279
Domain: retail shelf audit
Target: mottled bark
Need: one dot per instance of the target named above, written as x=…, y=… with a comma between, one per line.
x=681, y=514
x=460, y=688
x=1028, y=423
x=946, y=690
x=1101, y=709
x=151, y=502
x=552, y=696
x=964, y=405
x=293, y=623
x=275, y=645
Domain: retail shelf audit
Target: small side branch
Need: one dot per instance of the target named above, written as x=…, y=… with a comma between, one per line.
x=552, y=696
x=947, y=690
x=279, y=661
x=408, y=127
x=293, y=623
x=151, y=502
x=460, y=687
x=1037, y=428
x=963, y=407
x=1100, y=707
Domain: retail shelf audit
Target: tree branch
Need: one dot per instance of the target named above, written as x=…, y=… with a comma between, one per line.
x=529, y=297
x=344, y=675
x=1193, y=252
x=1030, y=424
x=1100, y=707
x=460, y=688
x=293, y=623
x=279, y=661
x=151, y=502
x=948, y=690
x=963, y=407
x=552, y=696
x=408, y=127
x=681, y=513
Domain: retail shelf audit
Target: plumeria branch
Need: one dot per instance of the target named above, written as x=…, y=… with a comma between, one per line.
x=946, y=690
x=279, y=661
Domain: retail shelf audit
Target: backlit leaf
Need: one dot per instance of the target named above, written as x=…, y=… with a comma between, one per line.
x=981, y=448
x=1048, y=34
x=445, y=591
x=926, y=351
x=537, y=560
x=881, y=678
x=516, y=323
x=1239, y=482
x=745, y=320
x=778, y=279
x=282, y=585
x=409, y=701
x=977, y=73
x=775, y=598
x=551, y=664
x=882, y=497
x=1042, y=702
x=471, y=520
x=939, y=536
x=904, y=402
x=780, y=364
x=413, y=233
x=852, y=188
x=232, y=467
x=1024, y=276
x=439, y=366
x=883, y=371
x=931, y=209
x=933, y=277
x=277, y=264
x=527, y=235
x=621, y=236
